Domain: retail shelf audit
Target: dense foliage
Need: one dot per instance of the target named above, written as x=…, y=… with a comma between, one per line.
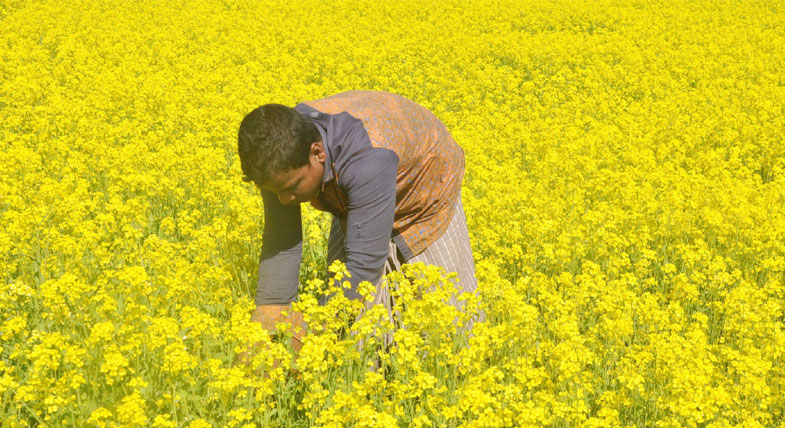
x=625, y=194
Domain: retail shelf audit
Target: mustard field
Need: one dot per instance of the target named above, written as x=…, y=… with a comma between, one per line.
x=624, y=191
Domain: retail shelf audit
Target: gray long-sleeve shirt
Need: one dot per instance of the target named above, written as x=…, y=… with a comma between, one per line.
x=367, y=178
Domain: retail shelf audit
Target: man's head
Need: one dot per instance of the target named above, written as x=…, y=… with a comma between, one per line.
x=281, y=151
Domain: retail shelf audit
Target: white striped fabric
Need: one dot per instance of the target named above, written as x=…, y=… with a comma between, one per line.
x=452, y=251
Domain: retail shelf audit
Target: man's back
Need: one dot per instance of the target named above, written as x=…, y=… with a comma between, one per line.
x=430, y=167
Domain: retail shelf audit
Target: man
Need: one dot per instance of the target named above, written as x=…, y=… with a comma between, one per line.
x=385, y=167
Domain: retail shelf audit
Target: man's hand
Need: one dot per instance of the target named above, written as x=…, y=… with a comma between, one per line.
x=268, y=316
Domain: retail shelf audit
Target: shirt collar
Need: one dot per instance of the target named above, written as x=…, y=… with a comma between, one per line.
x=321, y=120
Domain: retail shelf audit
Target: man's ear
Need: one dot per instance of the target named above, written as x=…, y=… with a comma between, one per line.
x=317, y=149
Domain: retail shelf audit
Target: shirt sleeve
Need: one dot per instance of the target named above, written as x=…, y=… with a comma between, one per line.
x=282, y=243
x=370, y=183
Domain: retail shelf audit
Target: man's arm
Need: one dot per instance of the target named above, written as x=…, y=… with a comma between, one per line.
x=279, y=267
x=282, y=244
x=370, y=182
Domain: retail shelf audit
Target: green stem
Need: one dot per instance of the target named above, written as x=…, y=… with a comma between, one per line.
x=35, y=415
x=174, y=406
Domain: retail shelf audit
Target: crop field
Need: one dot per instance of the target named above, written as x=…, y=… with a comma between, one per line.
x=624, y=192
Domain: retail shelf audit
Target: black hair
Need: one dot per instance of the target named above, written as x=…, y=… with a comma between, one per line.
x=272, y=139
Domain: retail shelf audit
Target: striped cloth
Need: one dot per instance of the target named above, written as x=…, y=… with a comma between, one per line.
x=452, y=251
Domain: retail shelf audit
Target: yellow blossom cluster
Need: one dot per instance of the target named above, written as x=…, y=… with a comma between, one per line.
x=624, y=192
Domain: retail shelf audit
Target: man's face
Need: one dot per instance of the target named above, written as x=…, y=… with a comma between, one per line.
x=301, y=184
